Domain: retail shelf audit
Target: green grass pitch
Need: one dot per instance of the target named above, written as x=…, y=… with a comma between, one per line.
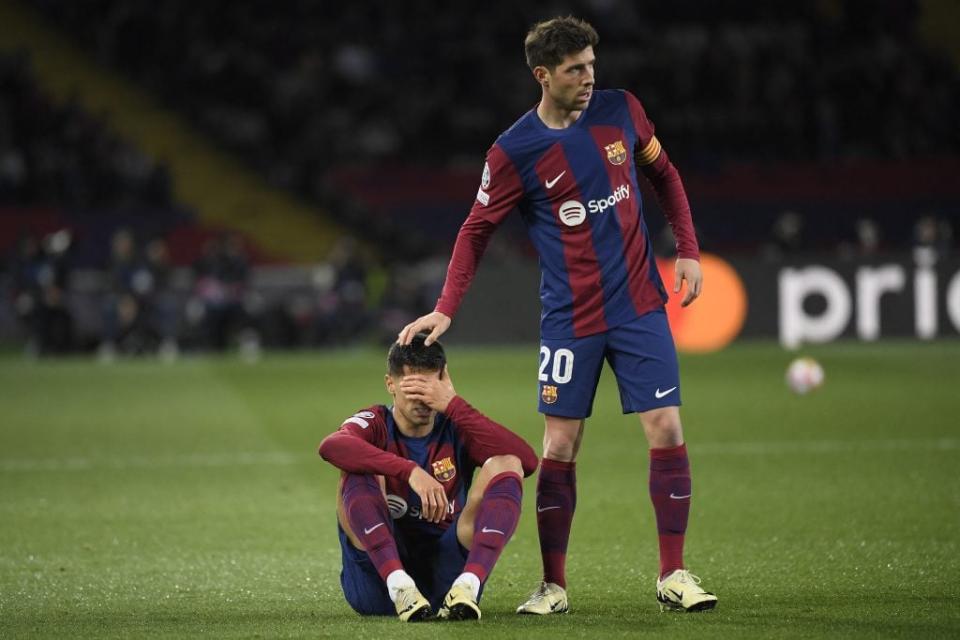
x=151, y=500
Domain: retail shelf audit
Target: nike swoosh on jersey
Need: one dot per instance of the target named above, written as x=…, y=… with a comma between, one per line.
x=680, y=497
x=550, y=183
x=542, y=509
x=372, y=529
x=485, y=530
x=659, y=394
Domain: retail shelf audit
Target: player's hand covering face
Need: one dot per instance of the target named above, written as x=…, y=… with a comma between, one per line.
x=435, y=390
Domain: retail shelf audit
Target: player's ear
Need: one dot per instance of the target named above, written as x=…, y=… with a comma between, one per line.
x=542, y=75
x=388, y=381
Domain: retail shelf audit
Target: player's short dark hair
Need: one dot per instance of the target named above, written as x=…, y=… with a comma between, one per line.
x=549, y=42
x=416, y=356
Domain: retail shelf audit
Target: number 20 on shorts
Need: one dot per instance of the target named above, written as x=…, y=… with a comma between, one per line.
x=562, y=369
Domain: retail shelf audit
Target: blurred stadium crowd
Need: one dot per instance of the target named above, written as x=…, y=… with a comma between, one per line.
x=141, y=303
x=301, y=90
x=60, y=154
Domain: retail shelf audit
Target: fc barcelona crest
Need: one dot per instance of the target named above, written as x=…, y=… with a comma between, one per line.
x=548, y=394
x=616, y=152
x=443, y=470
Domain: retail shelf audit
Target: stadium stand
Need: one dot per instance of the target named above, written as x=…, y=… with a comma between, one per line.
x=311, y=92
x=298, y=89
x=58, y=153
x=825, y=126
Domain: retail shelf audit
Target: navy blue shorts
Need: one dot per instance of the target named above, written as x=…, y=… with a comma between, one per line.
x=432, y=563
x=643, y=358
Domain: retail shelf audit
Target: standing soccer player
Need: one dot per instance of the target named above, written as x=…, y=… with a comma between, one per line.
x=571, y=165
x=415, y=523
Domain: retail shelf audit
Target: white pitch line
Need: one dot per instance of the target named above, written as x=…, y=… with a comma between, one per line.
x=188, y=460
x=231, y=459
x=824, y=446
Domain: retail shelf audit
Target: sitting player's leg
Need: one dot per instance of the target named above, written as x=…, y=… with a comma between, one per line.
x=365, y=520
x=485, y=525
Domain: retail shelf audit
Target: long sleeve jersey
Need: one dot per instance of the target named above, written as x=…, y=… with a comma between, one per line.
x=462, y=439
x=577, y=192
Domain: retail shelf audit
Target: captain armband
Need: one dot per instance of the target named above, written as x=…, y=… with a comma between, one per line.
x=649, y=153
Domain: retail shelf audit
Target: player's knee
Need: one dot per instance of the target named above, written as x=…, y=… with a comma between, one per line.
x=662, y=426
x=560, y=447
x=361, y=494
x=561, y=438
x=504, y=463
x=357, y=484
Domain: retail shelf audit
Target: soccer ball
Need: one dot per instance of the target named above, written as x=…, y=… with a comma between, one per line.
x=804, y=375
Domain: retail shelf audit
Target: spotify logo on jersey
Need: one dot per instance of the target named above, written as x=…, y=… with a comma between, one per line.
x=397, y=506
x=572, y=213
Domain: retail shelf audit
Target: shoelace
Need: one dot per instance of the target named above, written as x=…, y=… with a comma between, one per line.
x=686, y=576
x=406, y=597
x=462, y=587
x=538, y=595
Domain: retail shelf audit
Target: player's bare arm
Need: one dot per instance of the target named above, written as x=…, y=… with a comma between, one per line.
x=435, y=322
x=688, y=269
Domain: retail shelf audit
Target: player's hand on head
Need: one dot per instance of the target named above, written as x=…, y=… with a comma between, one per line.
x=689, y=270
x=434, y=390
x=433, y=499
x=435, y=322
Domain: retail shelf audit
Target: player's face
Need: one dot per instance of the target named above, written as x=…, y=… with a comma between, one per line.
x=570, y=84
x=414, y=412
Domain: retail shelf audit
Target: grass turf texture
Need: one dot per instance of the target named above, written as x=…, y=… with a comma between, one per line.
x=143, y=500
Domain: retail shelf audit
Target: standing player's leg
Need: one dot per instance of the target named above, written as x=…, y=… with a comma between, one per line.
x=487, y=522
x=669, y=483
x=368, y=528
x=557, y=500
x=569, y=373
x=644, y=359
x=670, y=492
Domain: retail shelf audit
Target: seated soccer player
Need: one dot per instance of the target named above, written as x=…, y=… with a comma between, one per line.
x=417, y=520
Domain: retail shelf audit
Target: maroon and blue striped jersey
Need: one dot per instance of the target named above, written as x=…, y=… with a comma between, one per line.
x=462, y=439
x=577, y=191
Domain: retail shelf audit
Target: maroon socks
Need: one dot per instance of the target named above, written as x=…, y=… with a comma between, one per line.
x=556, y=501
x=670, y=494
x=369, y=518
x=496, y=520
